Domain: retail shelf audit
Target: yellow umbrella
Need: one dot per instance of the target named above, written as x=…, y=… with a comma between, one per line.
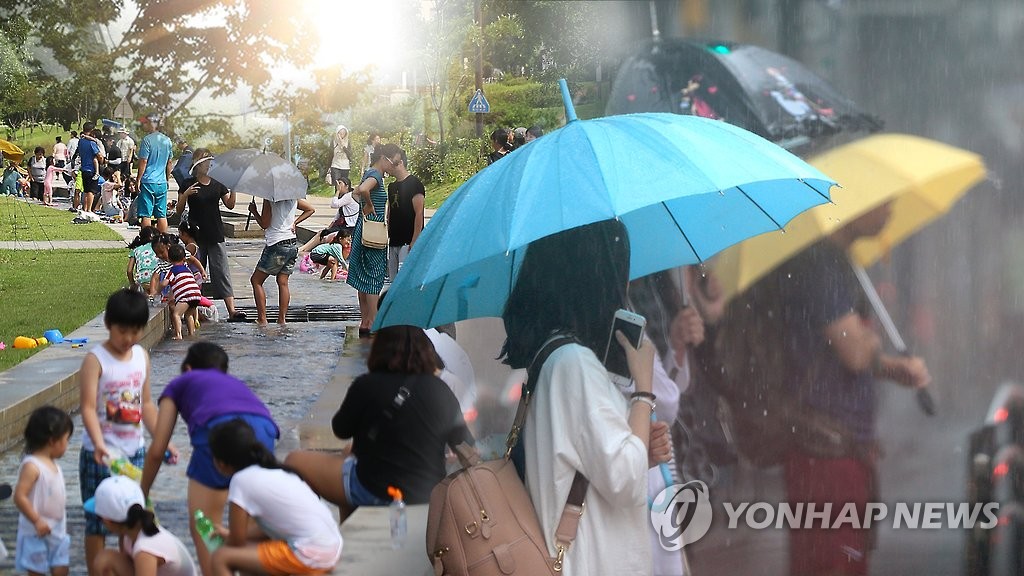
x=923, y=179
x=11, y=151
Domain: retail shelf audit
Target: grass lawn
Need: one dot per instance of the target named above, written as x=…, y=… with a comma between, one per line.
x=24, y=221
x=35, y=293
x=438, y=193
x=39, y=137
x=317, y=187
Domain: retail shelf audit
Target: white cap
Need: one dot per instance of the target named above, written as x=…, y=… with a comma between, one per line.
x=114, y=497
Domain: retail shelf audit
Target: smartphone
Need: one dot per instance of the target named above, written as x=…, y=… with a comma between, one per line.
x=632, y=326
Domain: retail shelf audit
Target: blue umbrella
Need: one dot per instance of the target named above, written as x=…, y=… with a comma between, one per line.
x=685, y=187
x=111, y=123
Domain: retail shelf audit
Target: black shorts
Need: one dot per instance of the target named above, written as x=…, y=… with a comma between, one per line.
x=318, y=258
x=91, y=186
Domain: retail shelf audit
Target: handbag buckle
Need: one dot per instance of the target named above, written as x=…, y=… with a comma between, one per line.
x=557, y=566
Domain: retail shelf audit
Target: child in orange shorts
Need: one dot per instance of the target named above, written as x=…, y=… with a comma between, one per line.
x=261, y=491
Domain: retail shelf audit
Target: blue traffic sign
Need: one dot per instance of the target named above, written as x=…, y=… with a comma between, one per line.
x=479, y=104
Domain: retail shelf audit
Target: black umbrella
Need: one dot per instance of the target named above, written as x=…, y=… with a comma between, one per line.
x=764, y=92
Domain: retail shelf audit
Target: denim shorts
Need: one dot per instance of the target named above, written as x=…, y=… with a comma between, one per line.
x=355, y=492
x=279, y=258
x=40, y=553
x=200, y=465
x=90, y=474
x=152, y=200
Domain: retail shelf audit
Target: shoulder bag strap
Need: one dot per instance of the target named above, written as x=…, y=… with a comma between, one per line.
x=568, y=523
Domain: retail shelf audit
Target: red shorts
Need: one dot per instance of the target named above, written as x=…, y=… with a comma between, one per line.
x=818, y=550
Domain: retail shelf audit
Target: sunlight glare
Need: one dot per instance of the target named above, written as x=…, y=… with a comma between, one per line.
x=352, y=32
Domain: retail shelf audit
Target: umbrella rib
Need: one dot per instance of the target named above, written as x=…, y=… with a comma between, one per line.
x=433, y=308
x=681, y=231
x=763, y=211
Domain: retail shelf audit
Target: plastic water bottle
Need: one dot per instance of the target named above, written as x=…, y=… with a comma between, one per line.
x=123, y=467
x=396, y=513
x=207, y=532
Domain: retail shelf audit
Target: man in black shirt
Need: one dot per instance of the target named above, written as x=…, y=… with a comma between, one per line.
x=405, y=212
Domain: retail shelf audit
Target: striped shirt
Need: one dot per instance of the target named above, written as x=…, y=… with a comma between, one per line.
x=184, y=287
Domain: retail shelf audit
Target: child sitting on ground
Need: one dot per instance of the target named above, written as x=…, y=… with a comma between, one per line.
x=306, y=539
x=142, y=263
x=185, y=292
x=110, y=205
x=330, y=255
x=43, y=540
x=144, y=547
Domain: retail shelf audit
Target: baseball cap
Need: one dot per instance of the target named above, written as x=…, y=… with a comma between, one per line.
x=114, y=497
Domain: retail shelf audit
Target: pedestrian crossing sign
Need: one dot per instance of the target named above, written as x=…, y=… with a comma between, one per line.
x=479, y=104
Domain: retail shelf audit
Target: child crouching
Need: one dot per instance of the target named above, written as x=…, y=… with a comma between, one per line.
x=266, y=498
x=331, y=254
x=145, y=549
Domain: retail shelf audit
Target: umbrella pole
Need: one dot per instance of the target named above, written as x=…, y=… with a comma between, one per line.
x=924, y=396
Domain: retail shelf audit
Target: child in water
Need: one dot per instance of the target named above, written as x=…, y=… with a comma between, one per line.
x=43, y=540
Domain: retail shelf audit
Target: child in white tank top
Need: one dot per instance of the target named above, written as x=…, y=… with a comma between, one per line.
x=116, y=402
x=43, y=543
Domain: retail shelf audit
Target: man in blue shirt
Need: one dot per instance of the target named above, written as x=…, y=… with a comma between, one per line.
x=91, y=156
x=154, y=171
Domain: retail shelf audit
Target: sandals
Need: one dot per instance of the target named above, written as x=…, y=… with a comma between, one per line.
x=238, y=317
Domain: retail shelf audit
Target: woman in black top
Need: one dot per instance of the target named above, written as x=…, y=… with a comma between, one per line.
x=400, y=416
x=203, y=196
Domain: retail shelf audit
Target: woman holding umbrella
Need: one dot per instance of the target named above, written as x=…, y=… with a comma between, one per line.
x=571, y=283
x=203, y=196
x=368, y=266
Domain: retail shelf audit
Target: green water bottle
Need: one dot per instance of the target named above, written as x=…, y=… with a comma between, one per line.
x=207, y=532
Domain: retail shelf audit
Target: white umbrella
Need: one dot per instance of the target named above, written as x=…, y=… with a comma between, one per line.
x=262, y=174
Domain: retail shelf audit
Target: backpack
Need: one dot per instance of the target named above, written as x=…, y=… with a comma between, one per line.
x=768, y=419
x=481, y=521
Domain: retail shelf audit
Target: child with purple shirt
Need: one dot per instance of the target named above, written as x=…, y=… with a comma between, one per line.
x=205, y=395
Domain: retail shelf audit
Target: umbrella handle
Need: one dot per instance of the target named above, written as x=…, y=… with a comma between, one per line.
x=924, y=396
x=925, y=400
x=248, y=217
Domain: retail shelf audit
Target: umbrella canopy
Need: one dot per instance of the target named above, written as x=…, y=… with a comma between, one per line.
x=922, y=178
x=764, y=92
x=262, y=174
x=11, y=151
x=111, y=123
x=685, y=187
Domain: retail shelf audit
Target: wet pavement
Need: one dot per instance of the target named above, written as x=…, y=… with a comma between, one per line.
x=288, y=367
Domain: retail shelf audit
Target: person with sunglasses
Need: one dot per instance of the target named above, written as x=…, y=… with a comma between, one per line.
x=368, y=266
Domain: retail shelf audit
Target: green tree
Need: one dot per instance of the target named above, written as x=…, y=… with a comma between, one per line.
x=445, y=64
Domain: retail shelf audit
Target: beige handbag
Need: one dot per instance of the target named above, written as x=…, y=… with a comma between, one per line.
x=375, y=234
x=481, y=520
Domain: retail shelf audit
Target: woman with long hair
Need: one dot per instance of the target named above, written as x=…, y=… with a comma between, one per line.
x=368, y=266
x=571, y=284
x=400, y=416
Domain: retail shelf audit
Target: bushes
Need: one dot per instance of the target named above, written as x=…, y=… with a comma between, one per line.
x=453, y=161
